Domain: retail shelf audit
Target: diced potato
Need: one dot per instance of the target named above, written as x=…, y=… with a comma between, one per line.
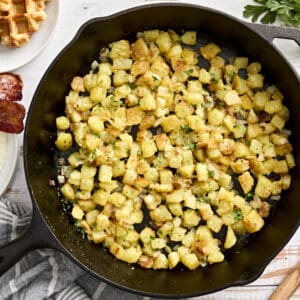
x=246, y=181
x=62, y=123
x=253, y=222
x=255, y=81
x=148, y=148
x=241, y=62
x=210, y=51
x=278, y=122
x=232, y=98
x=170, y=123
x=164, y=42
x=105, y=173
x=173, y=259
x=77, y=212
x=189, y=38
x=263, y=187
x=64, y=141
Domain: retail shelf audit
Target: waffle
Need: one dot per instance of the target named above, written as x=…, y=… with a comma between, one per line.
x=19, y=19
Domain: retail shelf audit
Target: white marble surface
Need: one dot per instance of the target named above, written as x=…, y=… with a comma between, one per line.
x=72, y=15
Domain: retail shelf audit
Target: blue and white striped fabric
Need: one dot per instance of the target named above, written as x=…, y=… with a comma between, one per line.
x=46, y=274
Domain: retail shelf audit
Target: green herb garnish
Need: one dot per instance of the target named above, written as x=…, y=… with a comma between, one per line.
x=186, y=129
x=189, y=72
x=238, y=216
x=211, y=173
x=267, y=11
x=192, y=146
x=131, y=85
x=249, y=196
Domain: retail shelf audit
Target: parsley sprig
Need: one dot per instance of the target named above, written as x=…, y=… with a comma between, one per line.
x=267, y=11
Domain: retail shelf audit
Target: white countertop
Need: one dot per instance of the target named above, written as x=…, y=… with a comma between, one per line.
x=72, y=15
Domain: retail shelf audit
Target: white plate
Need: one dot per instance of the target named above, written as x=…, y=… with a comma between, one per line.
x=10, y=161
x=13, y=58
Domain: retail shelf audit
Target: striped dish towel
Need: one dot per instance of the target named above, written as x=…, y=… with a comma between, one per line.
x=45, y=273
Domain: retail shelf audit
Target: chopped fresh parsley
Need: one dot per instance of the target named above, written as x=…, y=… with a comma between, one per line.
x=186, y=129
x=249, y=196
x=230, y=74
x=189, y=72
x=131, y=85
x=192, y=146
x=211, y=173
x=238, y=216
x=267, y=11
x=201, y=199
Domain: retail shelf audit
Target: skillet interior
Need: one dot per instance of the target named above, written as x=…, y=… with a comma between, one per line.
x=48, y=102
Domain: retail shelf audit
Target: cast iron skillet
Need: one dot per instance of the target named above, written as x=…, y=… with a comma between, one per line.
x=50, y=229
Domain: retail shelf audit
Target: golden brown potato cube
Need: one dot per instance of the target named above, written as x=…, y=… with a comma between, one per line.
x=215, y=117
x=100, y=197
x=148, y=148
x=139, y=50
x=214, y=223
x=204, y=76
x=230, y=239
x=161, y=214
x=173, y=259
x=161, y=141
x=240, y=85
x=122, y=64
x=151, y=35
x=170, y=123
x=280, y=166
x=253, y=222
x=189, y=38
x=240, y=165
x=148, y=102
x=247, y=103
x=175, y=197
x=253, y=131
x=273, y=106
x=164, y=42
x=241, y=62
x=284, y=113
x=140, y=67
x=255, y=81
x=134, y=116
x=290, y=160
x=278, y=122
x=210, y=51
x=254, y=68
x=119, y=49
x=64, y=141
x=263, y=187
x=62, y=123
x=190, y=218
x=77, y=84
x=260, y=100
x=232, y=98
x=286, y=181
x=77, y=212
x=246, y=181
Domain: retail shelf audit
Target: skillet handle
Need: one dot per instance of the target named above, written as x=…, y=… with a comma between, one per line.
x=272, y=32
x=36, y=236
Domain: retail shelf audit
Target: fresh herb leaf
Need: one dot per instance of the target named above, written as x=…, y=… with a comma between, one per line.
x=131, y=85
x=211, y=173
x=192, y=146
x=189, y=72
x=238, y=216
x=288, y=11
x=249, y=196
x=186, y=129
x=201, y=199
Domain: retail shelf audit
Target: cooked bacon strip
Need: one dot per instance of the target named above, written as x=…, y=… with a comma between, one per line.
x=10, y=87
x=11, y=116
